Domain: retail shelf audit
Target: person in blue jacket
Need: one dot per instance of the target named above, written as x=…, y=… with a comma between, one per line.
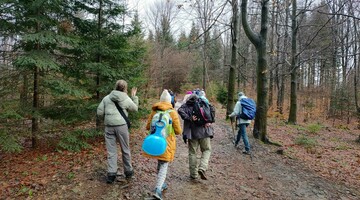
x=242, y=124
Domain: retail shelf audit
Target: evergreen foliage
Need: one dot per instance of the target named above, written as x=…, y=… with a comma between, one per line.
x=8, y=142
x=67, y=55
x=221, y=95
x=77, y=140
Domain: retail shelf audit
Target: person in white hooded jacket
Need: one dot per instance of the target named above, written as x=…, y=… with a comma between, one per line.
x=242, y=124
x=116, y=127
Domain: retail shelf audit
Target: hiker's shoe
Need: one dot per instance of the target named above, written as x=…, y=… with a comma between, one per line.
x=237, y=146
x=194, y=180
x=164, y=187
x=246, y=152
x=110, y=179
x=129, y=174
x=157, y=194
x=202, y=174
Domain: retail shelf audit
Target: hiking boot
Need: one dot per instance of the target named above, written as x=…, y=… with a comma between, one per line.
x=129, y=174
x=164, y=187
x=157, y=194
x=202, y=174
x=236, y=145
x=246, y=152
x=110, y=179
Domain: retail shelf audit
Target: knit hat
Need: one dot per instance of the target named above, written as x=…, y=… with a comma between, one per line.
x=201, y=93
x=189, y=92
x=165, y=96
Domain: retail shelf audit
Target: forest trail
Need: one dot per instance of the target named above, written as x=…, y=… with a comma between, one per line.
x=231, y=175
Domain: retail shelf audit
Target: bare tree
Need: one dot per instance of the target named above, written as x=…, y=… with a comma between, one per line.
x=259, y=41
x=208, y=12
x=162, y=16
x=294, y=67
x=234, y=52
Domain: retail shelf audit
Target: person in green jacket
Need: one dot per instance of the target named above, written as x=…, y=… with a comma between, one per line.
x=116, y=127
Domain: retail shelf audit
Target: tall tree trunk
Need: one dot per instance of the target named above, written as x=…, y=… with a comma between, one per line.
x=281, y=90
x=356, y=68
x=234, y=49
x=204, y=70
x=294, y=68
x=35, y=116
x=98, y=59
x=24, y=89
x=334, y=61
x=259, y=41
x=273, y=56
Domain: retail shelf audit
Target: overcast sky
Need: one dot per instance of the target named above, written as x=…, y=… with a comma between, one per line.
x=183, y=21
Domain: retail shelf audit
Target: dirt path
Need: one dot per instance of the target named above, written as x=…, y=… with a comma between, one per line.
x=231, y=175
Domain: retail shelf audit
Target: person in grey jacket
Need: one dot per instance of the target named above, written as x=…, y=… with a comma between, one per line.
x=196, y=136
x=116, y=127
x=242, y=124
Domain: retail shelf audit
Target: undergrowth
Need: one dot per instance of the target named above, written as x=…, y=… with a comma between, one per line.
x=77, y=140
x=314, y=128
x=306, y=141
x=8, y=142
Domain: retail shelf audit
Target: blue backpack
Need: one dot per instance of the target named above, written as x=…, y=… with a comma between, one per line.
x=161, y=127
x=248, y=109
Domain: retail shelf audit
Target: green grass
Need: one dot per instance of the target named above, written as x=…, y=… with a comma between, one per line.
x=298, y=127
x=305, y=141
x=314, y=128
x=342, y=147
x=70, y=175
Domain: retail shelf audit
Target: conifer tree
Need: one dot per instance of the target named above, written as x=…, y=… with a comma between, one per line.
x=36, y=24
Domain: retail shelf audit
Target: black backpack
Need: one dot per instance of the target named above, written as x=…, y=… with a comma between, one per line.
x=204, y=112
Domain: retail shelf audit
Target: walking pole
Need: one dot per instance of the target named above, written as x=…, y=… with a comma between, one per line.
x=251, y=157
x=233, y=129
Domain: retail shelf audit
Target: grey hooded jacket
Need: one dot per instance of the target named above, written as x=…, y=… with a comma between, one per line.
x=108, y=111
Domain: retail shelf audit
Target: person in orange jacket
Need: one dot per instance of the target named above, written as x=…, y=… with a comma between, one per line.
x=168, y=156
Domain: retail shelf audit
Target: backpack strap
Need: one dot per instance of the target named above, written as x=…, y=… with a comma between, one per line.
x=161, y=115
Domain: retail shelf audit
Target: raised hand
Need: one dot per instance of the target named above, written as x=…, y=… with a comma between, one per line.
x=133, y=91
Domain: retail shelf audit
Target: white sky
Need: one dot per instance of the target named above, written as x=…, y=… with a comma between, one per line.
x=182, y=23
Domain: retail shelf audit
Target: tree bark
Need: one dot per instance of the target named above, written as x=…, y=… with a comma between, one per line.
x=284, y=65
x=259, y=41
x=294, y=67
x=234, y=49
x=98, y=59
x=35, y=116
x=272, y=54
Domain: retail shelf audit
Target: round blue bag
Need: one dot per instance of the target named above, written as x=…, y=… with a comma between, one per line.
x=155, y=144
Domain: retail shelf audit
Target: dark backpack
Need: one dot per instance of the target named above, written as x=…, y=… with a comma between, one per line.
x=204, y=112
x=248, y=109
